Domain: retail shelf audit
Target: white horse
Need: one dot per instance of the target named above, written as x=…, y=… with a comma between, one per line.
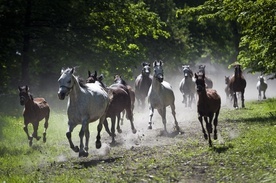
x=261, y=87
x=160, y=96
x=86, y=103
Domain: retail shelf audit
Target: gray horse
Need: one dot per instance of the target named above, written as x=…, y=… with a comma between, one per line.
x=160, y=96
x=261, y=87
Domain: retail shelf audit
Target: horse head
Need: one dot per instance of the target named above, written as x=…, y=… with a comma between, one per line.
x=202, y=68
x=158, y=70
x=261, y=78
x=187, y=71
x=238, y=71
x=24, y=94
x=200, y=82
x=146, y=69
x=65, y=82
x=227, y=79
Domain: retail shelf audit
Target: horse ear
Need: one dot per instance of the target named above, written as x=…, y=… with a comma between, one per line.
x=89, y=73
x=95, y=73
x=143, y=64
x=62, y=70
x=73, y=69
x=196, y=76
x=161, y=62
x=19, y=88
x=27, y=88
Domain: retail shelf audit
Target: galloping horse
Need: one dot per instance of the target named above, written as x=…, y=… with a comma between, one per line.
x=227, y=88
x=160, y=96
x=142, y=84
x=208, y=104
x=237, y=83
x=208, y=81
x=35, y=110
x=261, y=87
x=86, y=103
x=187, y=86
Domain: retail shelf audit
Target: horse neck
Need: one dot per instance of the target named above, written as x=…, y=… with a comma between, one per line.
x=76, y=89
x=156, y=85
x=29, y=103
x=202, y=97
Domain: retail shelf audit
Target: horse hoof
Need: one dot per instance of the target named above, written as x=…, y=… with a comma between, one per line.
x=205, y=136
x=30, y=143
x=215, y=136
x=134, y=131
x=76, y=149
x=150, y=127
x=83, y=154
x=98, y=144
x=44, y=139
x=119, y=131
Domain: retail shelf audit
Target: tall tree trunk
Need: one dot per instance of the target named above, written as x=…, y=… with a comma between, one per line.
x=25, y=78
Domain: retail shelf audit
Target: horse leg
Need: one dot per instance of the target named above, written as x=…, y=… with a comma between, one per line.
x=260, y=94
x=242, y=98
x=264, y=97
x=35, y=128
x=68, y=135
x=105, y=123
x=203, y=130
x=162, y=113
x=185, y=100
x=46, y=124
x=25, y=128
x=118, y=123
x=174, y=114
x=123, y=115
x=209, y=128
x=150, y=117
x=130, y=117
x=84, y=130
x=113, y=121
x=235, y=100
x=87, y=137
x=216, y=124
x=99, y=128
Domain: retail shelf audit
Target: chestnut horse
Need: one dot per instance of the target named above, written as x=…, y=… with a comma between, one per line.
x=237, y=83
x=160, y=96
x=261, y=87
x=86, y=103
x=35, y=110
x=142, y=84
x=208, y=104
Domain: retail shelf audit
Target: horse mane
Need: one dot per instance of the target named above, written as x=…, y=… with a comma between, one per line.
x=81, y=82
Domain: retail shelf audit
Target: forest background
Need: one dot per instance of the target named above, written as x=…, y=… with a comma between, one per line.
x=38, y=38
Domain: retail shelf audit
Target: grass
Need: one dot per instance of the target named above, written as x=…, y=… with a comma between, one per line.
x=245, y=153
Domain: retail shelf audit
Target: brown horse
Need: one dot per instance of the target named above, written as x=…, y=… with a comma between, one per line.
x=35, y=110
x=118, y=80
x=208, y=104
x=237, y=83
x=120, y=101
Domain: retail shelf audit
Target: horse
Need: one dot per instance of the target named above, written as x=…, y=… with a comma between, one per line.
x=142, y=84
x=227, y=88
x=119, y=102
x=208, y=81
x=187, y=86
x=237, y=83
x=160, y=96
x=35, y=110
x=86, y=103
x=261, y=87
x=208, y=104
x=93, y=78
x=119, y=80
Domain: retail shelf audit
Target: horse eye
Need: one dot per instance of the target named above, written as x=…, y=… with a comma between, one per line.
x=69, y=82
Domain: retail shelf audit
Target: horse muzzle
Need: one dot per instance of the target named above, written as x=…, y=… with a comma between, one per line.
x=62, y=94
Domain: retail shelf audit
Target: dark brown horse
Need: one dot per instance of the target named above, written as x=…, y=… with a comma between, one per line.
x=35, y=110
x=237, y=83
x=142, y=84
x=119, y=80
x=208, y=81
x=208, y=104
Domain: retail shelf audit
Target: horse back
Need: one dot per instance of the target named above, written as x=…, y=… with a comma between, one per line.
x=36, y=111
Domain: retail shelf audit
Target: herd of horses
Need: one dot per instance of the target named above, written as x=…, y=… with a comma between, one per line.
x=91, y=100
